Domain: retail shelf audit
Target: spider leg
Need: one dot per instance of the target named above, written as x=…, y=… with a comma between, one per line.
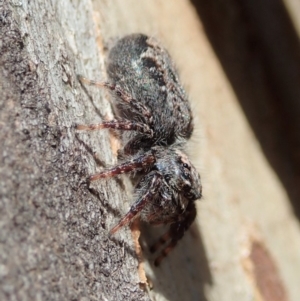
x=137, y=207
x=175, y=233
x=139, y=107
x=123, y=125
x=138, y=163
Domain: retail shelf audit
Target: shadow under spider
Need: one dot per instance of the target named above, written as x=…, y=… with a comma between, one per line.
x=98, y=161
x=186, y=269
x=121, y=243
x=91, y=99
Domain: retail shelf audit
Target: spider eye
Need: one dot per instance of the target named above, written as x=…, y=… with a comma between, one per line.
x=191, y=196
x=185, y=165
x=186, y=188
x=167, y=178
x=187, y=192
x=186, y=171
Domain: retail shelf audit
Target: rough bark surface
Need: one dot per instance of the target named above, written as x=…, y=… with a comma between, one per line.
x=54, y=242
x=54, y=235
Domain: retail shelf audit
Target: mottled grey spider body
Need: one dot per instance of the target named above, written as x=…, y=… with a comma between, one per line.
x=154, y=111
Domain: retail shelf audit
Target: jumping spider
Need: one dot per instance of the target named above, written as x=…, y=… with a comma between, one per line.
x=155, y=118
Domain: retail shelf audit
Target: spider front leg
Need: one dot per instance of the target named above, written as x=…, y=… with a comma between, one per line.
x=138, y=106
x=136, y=164
x=175, y=233
x=152, y=188
x=123, y=125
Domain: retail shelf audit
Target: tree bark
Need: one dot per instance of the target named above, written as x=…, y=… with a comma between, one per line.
x=54, y=242
x=54, y=228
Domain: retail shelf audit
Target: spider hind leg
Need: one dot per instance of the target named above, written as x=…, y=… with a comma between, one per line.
x=169, y=240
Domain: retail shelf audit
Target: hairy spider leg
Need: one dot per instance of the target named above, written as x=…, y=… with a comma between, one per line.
x=138, y=163
x=139, y=107
x=174, y=234
x=123, y=125
x=138, y=206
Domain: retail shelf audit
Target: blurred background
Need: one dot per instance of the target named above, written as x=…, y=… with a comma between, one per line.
x=257, y=44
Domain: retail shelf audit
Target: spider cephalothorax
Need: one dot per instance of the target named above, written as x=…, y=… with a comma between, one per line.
x=154, y=111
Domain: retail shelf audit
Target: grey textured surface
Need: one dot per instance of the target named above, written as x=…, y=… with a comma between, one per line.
x=54, y=239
